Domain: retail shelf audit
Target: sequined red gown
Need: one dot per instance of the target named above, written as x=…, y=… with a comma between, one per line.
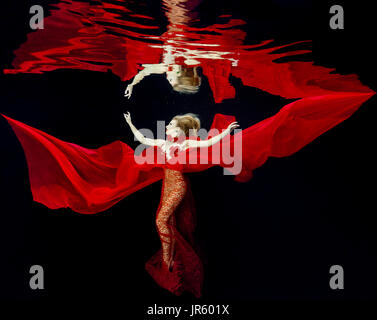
x=175, y=221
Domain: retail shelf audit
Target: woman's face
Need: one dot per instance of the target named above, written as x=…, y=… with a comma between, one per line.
x=172, y=129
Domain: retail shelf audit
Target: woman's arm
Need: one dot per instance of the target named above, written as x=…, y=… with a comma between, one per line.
x=148, y=69
x=213, y=140
x=139, y=136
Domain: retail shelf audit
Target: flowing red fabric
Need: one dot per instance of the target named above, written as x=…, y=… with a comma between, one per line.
x=94, y=38
x=64, y=174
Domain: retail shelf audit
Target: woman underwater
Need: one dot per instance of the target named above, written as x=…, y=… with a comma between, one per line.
x=66, y=175
x=176, y=198
x=175, y=184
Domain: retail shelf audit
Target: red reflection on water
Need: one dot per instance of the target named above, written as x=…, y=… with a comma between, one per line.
x=101, y=37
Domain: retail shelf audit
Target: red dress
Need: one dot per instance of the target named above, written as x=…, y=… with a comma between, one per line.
x=175, y=222
x=176, y=266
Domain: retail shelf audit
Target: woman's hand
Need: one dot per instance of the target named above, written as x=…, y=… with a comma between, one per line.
x=232, y=126
x=128, y=91
x=127, y=116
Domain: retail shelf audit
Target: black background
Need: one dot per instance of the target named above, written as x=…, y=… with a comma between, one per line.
x=273, y=238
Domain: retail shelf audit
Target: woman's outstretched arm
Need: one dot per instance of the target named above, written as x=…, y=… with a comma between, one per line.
x=148, y=69
x=139, y=136
x=213, y=140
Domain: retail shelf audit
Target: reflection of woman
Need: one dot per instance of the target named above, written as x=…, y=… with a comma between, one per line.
x=175, y=184
x=184, y=79
x=180, y=59
x=107, y=41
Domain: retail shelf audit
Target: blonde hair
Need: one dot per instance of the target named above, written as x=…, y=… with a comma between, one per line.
x=188, y=121
x=188, y=81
